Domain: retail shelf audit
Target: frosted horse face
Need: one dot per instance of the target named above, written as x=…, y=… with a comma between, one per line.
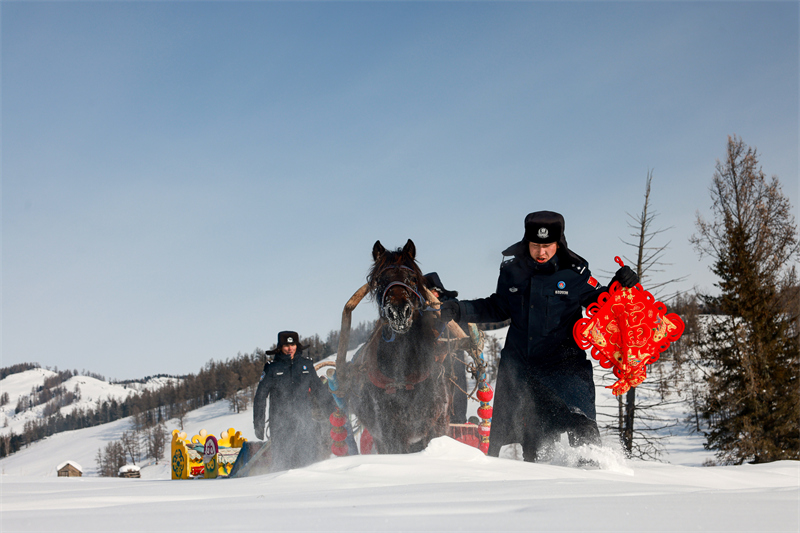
x=397, y=285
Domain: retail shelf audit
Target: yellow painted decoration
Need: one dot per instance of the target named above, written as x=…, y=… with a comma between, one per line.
x=200, y=438
x=187, y=462
x=237, y=441
x=179, y=456
x=231, y=439
x=225, y=438
x=211, y=468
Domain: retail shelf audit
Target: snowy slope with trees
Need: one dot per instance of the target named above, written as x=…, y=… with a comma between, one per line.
x=28, y=401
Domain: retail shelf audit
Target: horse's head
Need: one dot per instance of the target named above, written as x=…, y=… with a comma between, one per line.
x=397, y=284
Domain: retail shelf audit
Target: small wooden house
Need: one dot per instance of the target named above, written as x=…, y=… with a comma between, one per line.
x=69, y=469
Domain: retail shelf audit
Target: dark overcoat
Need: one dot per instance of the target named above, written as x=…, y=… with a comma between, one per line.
x=543, y=376
x=294, y=390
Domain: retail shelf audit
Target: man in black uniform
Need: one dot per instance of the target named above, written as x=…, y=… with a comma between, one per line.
x=544, y=384
x=292, y=385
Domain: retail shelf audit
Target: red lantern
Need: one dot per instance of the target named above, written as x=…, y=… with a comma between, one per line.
x=484, y=429
x=485, y=394
x=485, y=412
x=627, y=329
x=484, y=447
x=338, y=434
x=337, y=418
x=339, y=449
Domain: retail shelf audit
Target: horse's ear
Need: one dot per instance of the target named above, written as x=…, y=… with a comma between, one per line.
x=377, y=250
x=409, y=249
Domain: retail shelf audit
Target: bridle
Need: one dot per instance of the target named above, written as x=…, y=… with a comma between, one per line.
x=423, y=303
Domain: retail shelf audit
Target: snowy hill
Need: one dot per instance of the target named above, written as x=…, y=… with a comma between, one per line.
x=89, y=388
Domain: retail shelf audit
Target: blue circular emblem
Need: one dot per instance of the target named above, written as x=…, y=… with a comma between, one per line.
x=561, y=285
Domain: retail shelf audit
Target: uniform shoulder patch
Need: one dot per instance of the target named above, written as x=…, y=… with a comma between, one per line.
x=591, y=281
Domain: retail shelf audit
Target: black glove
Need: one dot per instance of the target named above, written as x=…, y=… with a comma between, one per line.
x=450, y=310
x=626, y=277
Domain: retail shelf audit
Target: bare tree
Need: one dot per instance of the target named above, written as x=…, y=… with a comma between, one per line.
x=156, y=441
x=131, y=446
x=649, y=254
x=641, y=440
x=110, y=459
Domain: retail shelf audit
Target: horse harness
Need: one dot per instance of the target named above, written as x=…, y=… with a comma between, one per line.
x=391, y=385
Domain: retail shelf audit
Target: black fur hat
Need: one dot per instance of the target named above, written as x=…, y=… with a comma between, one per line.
x=544, y=227
x=287, y=337
x=434, y=283
x=553, y=224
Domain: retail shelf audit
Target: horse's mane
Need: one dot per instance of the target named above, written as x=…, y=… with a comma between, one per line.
x=393, y=259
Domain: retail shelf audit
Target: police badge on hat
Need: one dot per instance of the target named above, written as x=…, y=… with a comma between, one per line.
x=544, y=227
x=284, y=338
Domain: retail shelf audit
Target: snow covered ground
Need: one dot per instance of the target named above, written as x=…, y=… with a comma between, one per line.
x=447, y=487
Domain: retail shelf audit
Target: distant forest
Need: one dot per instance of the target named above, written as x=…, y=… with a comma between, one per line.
x=233, y=380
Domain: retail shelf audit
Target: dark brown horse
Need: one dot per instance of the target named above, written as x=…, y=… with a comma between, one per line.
x=397, y=385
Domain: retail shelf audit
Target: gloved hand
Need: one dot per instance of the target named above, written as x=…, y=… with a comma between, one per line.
x=450, y=311
x=626, y=277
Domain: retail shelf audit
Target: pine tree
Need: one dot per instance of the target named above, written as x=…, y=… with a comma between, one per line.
x=753, y=400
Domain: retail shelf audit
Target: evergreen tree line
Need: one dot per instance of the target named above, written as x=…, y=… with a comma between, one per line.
x=51, y=388
x=16, y=369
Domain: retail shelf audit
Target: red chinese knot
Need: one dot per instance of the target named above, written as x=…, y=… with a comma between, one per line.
x=627, y=329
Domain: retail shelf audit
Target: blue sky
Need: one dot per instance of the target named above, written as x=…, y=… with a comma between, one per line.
x=182, y=180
